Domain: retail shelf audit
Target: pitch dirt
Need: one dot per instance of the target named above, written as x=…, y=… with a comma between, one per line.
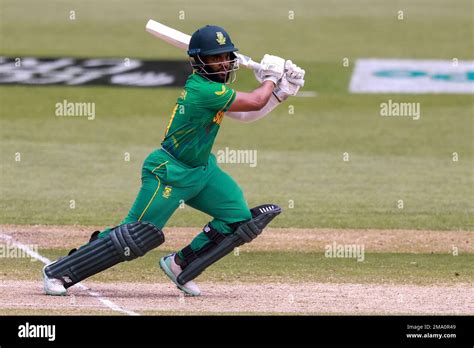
x=248, y=298
x=304, y=298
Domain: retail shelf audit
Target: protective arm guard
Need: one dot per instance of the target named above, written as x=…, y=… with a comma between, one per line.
x=250, y=116
x=245, y=233
x=124, y=243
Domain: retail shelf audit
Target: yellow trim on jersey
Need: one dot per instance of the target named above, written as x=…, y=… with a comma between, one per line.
x=233, y=92
x=157, y=189
x=175, y=142
x=159, y=166
x=171, y=119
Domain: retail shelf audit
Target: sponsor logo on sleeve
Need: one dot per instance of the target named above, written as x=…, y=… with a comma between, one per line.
x=221, y=92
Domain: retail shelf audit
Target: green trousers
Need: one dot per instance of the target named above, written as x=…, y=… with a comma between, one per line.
x=167, y=183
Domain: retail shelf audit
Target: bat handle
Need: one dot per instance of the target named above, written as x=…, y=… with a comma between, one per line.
x=254, y=65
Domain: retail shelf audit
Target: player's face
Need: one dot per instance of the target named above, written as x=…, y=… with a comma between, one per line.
x=219, y=63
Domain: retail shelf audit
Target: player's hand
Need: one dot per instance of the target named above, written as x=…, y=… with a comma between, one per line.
x=294, y=73
x=291, y=81
x=273, y=68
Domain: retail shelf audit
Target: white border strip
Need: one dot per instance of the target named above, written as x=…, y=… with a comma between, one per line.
x=307, y=94
x=106, y=302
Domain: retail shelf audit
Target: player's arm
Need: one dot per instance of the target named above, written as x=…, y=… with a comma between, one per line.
x=272, y=70
x=254, y=100
x=288, y=85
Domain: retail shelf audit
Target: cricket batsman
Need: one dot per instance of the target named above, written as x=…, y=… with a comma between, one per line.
x=184, y=169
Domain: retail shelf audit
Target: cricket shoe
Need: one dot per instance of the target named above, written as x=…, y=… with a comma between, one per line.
x=172, y=270
x=53, y=286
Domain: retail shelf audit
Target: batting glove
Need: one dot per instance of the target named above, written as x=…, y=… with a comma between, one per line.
x=291, y=81
x=273, y=68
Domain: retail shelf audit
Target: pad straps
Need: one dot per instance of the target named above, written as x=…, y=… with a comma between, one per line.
x=190, y=255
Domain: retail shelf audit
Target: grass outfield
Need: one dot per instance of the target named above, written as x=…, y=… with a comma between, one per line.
x=282, y=267
x=299, y=156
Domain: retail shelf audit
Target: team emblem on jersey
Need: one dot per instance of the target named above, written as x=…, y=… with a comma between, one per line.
x=221, y=92
x=167, y=191
x=220, y=38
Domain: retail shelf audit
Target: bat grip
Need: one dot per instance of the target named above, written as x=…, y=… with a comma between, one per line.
x=254, y=65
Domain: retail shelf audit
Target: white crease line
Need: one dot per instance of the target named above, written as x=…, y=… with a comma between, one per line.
x=46, y=261
x=26, y=249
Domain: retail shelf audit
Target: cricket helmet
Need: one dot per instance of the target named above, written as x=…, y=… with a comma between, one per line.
x=208, y=41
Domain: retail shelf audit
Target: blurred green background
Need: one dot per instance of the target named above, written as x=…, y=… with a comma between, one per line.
x=300, y=162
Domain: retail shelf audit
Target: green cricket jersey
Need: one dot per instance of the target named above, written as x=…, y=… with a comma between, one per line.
x=196, y=119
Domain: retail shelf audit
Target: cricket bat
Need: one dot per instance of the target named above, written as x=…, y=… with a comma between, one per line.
x=181, y=40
